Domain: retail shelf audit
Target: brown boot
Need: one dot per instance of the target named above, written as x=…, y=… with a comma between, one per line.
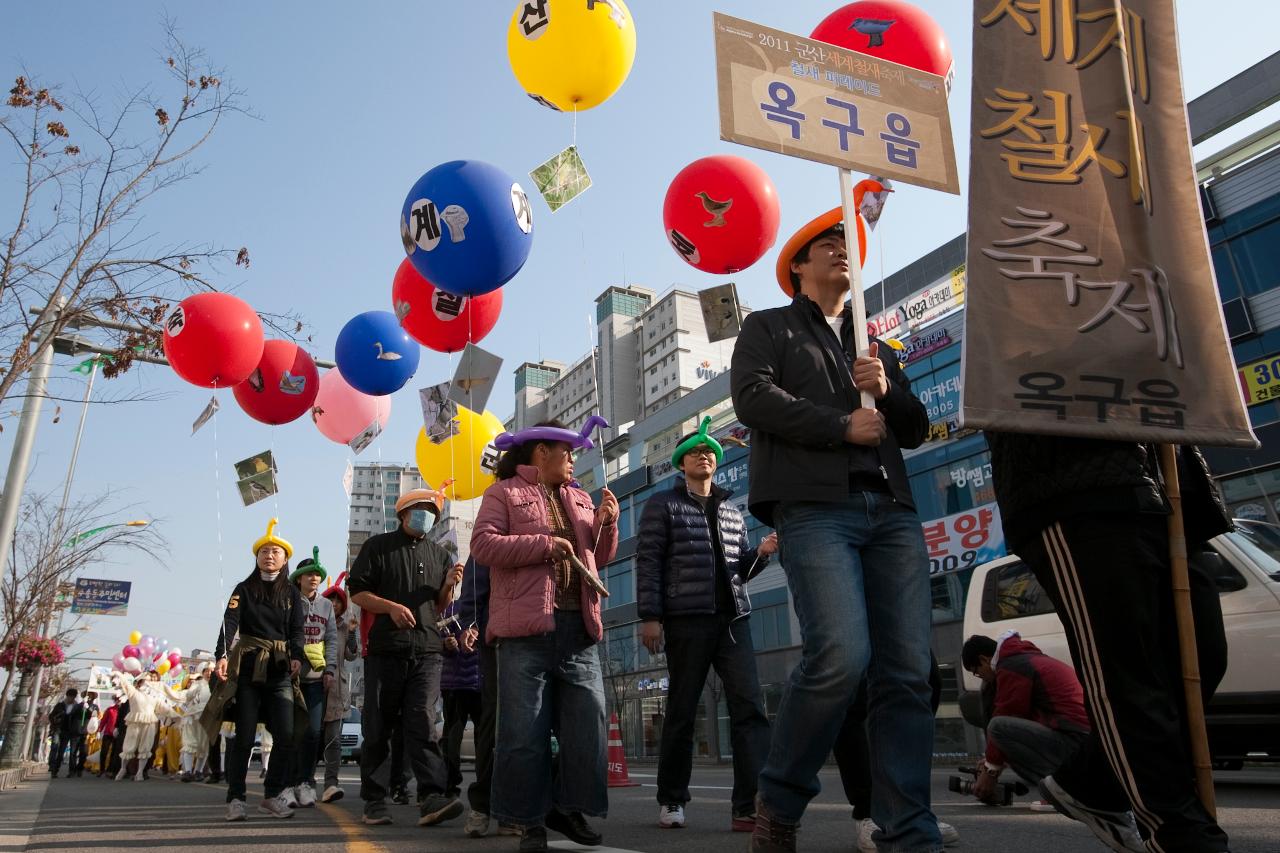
x=771, y=834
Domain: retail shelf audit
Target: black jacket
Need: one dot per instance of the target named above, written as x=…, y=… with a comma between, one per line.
x=1041, y=479
x=408, y=571
x=250, y=616
x=793, y=386
x=676, y=563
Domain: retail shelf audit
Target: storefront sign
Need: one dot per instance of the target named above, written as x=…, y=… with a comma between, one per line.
x=1260, y=380
x=921, y=345
x=101, y=597
x=965, y=539
x=920, y=308
x=941, y=400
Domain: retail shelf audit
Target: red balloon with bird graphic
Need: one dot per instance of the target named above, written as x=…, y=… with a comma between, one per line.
x=891, y=30
x=721, y=214
x=282, y=388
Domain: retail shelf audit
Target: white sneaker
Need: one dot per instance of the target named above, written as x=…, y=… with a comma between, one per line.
x=276, y=806
x=139, y=777
x=332, y=794
x=948, y=833
x=1041, y=806
x=671, y=816
x=866, y=826
x=306, y=796
x=477, y=825
x=123, y=773
x=289, y=798
x=236, y=811
x=1117, y=830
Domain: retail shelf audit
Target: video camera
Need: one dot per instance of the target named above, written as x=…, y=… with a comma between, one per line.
x=1004, y=790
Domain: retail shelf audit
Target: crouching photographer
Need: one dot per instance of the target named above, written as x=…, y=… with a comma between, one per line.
x=1037, y=718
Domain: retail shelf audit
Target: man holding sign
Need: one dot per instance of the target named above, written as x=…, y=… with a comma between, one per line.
x=828, y=473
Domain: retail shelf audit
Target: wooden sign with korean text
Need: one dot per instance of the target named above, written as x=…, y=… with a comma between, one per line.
x=1091, y=307
x=809, y=99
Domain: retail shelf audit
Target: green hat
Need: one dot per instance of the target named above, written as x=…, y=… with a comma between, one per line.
x=310, y=564
x=699, y=437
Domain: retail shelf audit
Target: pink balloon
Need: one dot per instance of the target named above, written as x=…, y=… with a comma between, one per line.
x=175, y=660
x=131, y=651
x=341, y=412
x=118, y=663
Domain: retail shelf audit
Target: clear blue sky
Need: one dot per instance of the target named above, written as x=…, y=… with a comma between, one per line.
x=355, y=102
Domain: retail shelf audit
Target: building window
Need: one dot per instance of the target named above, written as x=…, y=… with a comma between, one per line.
x=770, y=619
x=620, y=578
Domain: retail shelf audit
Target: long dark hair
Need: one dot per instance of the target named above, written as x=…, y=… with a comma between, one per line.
x=521, y=454
x=275, y=593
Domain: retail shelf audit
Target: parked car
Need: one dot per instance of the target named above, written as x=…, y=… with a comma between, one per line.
x=1244, y=717
x=352, y=736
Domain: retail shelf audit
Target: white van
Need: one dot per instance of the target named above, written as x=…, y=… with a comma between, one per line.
x=1244, y=716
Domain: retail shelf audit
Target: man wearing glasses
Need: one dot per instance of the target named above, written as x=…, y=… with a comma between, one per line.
x=692, y=566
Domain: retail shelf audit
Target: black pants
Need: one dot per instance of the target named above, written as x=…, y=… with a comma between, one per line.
x=214, y=764
x=401, y=692
x=459, y=706
x=695, y=644
x=1108, y=576
x=76, y=756
x=399, y=776
x=58, y=745
x=106, y=753
x=852, y=750
x=121, y=730
x=478, y=793
x=270, y=703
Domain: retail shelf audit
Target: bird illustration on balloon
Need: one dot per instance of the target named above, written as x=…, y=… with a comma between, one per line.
x=873, y=29
x=717, y=209
x=387, y=355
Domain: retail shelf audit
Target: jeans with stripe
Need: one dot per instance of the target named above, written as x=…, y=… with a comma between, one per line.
x=859, y=577
x=1109, y=579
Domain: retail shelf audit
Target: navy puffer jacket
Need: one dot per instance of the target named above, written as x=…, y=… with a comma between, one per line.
x=675, y=560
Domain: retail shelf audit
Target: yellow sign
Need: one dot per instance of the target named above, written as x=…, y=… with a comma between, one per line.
x=1260, y=380
x=806, y=98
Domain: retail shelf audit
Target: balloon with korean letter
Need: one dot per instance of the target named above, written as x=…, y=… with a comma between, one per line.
x=721, y=213
x=892, y=30
x=571, y=55
x=438, y=319
x=213, y=340
x=467, y=227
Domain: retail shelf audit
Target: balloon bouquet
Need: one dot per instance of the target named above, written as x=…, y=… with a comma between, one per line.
x=145, y=653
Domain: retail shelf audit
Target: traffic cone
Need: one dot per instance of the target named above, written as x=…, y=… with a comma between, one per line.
x=618, y=777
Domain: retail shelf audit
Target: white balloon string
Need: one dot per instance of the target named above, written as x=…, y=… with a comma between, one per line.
x=217, y=497
x=275, y=495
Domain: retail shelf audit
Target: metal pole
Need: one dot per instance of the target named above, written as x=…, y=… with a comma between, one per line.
x=853, y=250
x=28, y=735
x=14, y=485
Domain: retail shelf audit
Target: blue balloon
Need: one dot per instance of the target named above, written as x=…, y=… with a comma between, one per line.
x=467, y=227
x=374, y=354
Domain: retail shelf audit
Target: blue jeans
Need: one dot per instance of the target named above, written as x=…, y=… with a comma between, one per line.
x=544, y=682
x=308, y=751
x=859, y=577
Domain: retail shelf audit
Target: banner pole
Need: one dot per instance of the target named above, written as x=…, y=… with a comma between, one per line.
x=854, y=253
x=1200, y=758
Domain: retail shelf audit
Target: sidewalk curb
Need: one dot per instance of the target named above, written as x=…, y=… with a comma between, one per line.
x=22, y=794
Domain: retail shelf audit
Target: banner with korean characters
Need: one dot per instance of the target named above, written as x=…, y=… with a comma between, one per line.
x=1260, y=380
x=965, y=539
x=1091, y=306
x=101, y=597
x=805, y=98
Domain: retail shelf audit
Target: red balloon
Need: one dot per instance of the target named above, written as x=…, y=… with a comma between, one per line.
x=891, y=30
x=438, y=319
x=213, y=340
x=282, y=388
x=721, y=214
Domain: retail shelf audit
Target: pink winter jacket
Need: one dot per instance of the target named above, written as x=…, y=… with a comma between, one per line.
x=513, y=538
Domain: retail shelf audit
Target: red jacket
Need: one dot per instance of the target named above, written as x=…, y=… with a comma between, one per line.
x=513, y=538
x=107, y=723
x=1034, y=686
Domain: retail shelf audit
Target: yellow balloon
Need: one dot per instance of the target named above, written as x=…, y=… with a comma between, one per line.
x=571, y=54
x=458, y=457
x=162, y=667
x=135, y=637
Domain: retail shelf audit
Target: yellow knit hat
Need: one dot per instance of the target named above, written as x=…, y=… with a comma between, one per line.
x=270, y=538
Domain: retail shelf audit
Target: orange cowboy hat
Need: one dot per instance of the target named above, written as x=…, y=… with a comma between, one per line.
x=818, y=225
x=431, y=497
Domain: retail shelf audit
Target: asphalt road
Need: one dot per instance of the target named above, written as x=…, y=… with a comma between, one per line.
x=93, y=815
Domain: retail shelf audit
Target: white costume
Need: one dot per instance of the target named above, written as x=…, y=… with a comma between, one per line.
x=140, y=725
x=189, y=704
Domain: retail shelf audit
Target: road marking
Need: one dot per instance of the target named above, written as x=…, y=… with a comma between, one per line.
x=351, y=828
x=570, y=845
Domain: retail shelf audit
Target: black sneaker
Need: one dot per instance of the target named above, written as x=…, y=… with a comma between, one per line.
x=436, y=808
x=400, y=796
x=1117, y=830
x=574, y=827
x=375, y=813
x=534, y=840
